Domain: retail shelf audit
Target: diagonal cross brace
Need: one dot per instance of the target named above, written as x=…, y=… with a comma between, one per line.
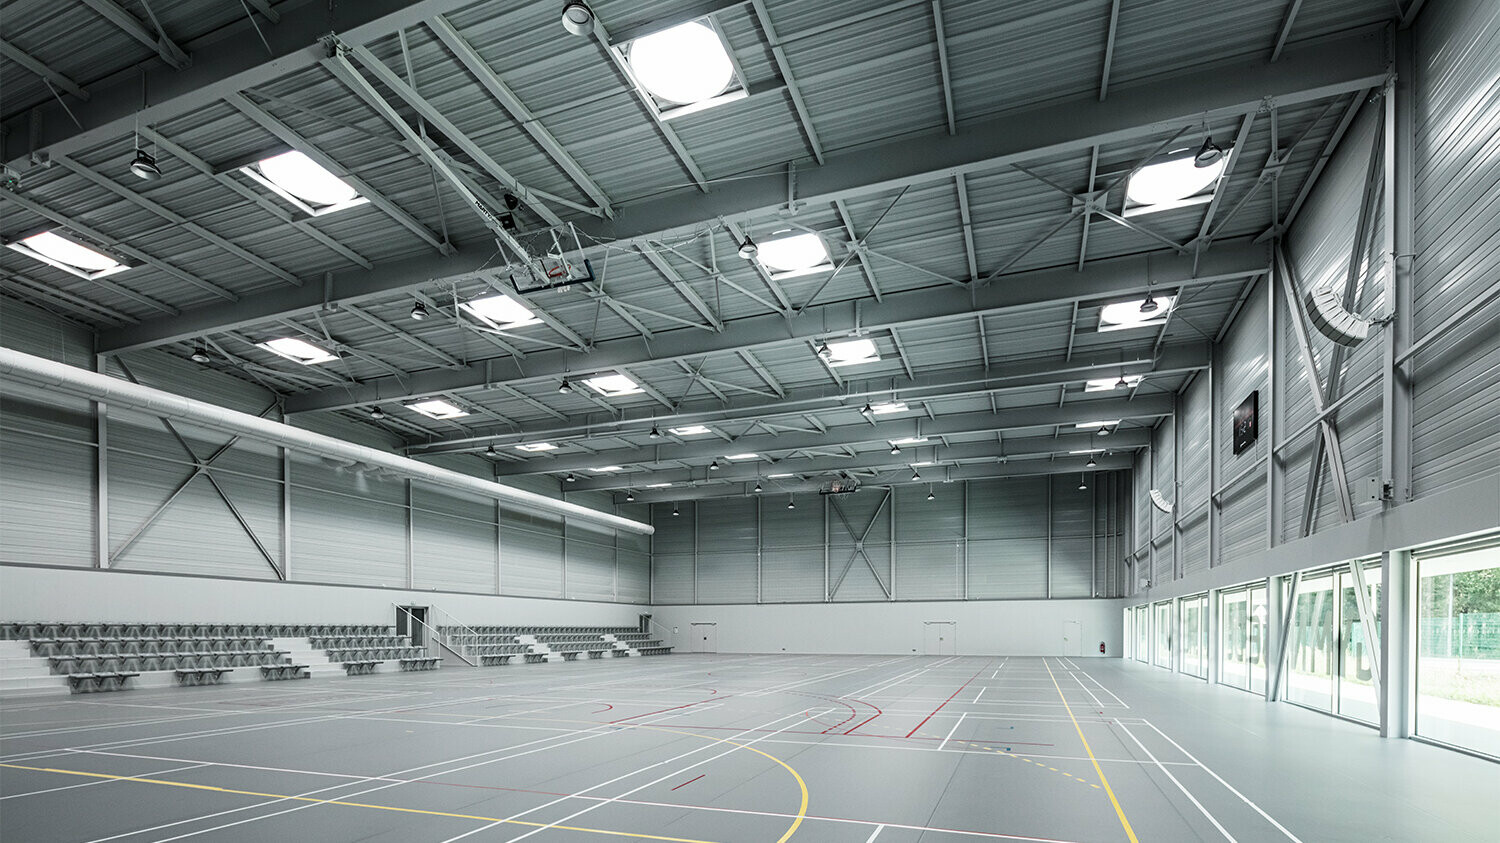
x=859, y=545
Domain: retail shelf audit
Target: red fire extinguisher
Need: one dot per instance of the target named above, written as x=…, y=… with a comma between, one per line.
x=1101, y=647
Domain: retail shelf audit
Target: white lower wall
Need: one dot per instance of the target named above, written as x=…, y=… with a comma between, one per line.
x=994, y=627
x=29, y=593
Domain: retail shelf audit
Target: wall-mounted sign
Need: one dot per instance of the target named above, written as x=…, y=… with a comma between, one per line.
x=1247, y=422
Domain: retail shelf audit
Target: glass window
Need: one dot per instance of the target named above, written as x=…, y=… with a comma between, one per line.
x=1192, y=633
x=1311, y=649
x=1255, y=643
x=1163, y=623
x=1142, y=634
x=1358, y=650
x=1242, y=638
x=1458, y=648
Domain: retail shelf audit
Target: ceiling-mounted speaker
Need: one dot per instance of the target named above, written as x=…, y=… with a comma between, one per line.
x=1160, y=501
x=1327, y=313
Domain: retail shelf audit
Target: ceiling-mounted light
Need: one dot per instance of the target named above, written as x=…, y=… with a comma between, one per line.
x=629, y=497
x=1122, y=383
x=1092, y=463
x=565, y=387
x=1104, y=431
x=655, y=434
x=1149, y=304
x=570, y=478
x=1082, y=484
x=713, y=466
x=824, y=351
x=376, y=413
x=144, y=166
x=675, y=513
x=577, y=17
x=867, y=410
x=895, y=449
x=748, y=250
x=490, y=451
x=200, y=354
x=757, y=486
x=1208, y=153
x=915, y=475
x=790, y=503
x=931, y=496
x=419, y=311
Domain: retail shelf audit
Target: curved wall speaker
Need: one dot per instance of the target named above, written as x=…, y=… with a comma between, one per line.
x=1160, y=502
x=1328, y=315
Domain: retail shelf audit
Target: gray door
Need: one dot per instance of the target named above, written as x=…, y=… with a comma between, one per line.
x=939, y=638
x=1072, y=638
x=705, y=637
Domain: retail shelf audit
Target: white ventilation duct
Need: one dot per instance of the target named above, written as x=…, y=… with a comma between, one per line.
x=1326, y=312
x=1160, y=501
x=72, y=380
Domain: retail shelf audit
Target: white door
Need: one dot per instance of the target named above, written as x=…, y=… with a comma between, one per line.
x=705, y=637
x=1072, y=638
x=939, y=638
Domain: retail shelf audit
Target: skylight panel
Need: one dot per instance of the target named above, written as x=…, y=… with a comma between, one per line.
x=1094, y=425
x=1124, y=315
x=685, y=64
x=438, y=408
x=606, y=469
x=297, y=350
x=886, y=408
x=657, y=485
x=778, y=476
x=1109, y=384
x=794, y=254
x=690, y=430
x=611, y=386
x=850, y=353
x=536, y=447
x=923, y=464
x=68, y=255
x=1172, y=183
x=302, y=182
x=910, y=440
x=741, y=457
x=501, y=310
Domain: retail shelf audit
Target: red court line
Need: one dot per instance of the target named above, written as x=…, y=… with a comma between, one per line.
x=877, y=713
x=607, y=707
x=690, y=781
x=663, y=710
x=945, y=702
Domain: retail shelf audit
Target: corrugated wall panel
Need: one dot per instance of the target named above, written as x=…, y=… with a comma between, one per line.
x=591, y=563
x=727, y=536
x=937, y=520
x=865, y=575
x=453, y=541
x=531, y=556
x=1244, y=370
x=632, y=576
x=46, y=500
x=929, y=571
x=1071, y=561
x=1457, y=243
x=1008, y=568
x=341, y=539
x=1072, y=567
x=1197, y=412
x=1007, y=507
x=791, y=575
x=671, y=577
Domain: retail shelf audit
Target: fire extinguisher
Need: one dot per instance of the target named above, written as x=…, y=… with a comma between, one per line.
x=1101, y=648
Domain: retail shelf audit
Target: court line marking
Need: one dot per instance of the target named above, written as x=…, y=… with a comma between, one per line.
x=345, y=804
x=944, y=703
x=1243, y=797
x=874, y=834
x=978, y=695
x=1180, y=786
x=102, y=781
x=951, y=731
x=1129, y=832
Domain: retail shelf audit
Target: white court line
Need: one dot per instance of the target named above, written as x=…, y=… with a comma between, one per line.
x=951, y=731
x=1102, y=688
x=996, y=674
x=1243, y=797
x=874, y=834
x=978, y=695
x=1097, y=701
x=1180, y=786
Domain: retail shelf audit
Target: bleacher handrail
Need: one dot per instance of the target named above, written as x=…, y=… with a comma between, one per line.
x=460, y=642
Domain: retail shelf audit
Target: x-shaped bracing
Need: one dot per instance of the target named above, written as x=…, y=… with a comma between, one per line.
x=859, y=545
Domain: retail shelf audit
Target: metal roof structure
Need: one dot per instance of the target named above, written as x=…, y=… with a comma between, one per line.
x=965, y=163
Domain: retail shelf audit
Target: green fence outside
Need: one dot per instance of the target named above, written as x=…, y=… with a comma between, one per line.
x=1473, y=635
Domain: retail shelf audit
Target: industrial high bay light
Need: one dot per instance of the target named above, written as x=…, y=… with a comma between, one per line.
x=577, y=17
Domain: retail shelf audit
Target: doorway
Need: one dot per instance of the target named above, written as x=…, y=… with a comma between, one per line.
x=705, y=637
x=940, y=638
x=412, y=621
x=1072, y=638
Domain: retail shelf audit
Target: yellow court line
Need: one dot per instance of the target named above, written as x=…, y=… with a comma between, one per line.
x=386, y=807
x=1129, y=832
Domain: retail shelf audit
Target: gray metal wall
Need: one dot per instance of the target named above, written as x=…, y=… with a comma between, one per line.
x=293, y=514
x=1447, y=354
x=1007, y=538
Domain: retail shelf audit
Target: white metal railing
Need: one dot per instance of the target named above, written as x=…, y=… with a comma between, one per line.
x=456, y=636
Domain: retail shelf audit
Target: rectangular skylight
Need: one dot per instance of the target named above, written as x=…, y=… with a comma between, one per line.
x=1123, y=315
x=742, y=457
x=922, y=464
x=297, y=350
x=1094, y=425
x=606, y=469
x=777, y=476
x=657, y=485
x=1108, y=384
x=535, y=447
x=910, y=440
x=501, y=311
x=303, y=183
x=611, y=386
x=68, y=255
x=438, y=408
x=885, y=408
x=1088, y=451
x=851, y=353
x=690, y=430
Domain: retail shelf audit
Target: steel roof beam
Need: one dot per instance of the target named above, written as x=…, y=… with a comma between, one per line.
x=901, y=477
x=1027, y=448
x=1077, y=412
x=165, y=47
x=36, y=66
x=1099, y=280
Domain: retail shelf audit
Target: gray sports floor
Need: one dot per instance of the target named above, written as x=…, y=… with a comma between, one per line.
x=726, y=748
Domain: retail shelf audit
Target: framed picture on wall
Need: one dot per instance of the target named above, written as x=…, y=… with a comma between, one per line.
x=1247, y=422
